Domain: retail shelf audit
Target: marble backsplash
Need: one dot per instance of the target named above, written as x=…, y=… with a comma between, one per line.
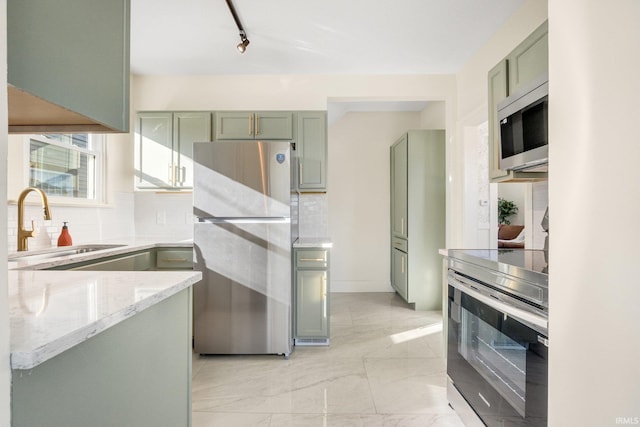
x=313, y=217
x=142, y=214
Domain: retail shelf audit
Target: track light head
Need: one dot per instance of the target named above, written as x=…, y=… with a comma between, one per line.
x=244, y=42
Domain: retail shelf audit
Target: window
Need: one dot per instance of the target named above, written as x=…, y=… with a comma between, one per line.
x=67, y=166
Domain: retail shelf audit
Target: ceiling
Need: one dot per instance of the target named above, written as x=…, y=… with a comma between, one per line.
x=191, y=37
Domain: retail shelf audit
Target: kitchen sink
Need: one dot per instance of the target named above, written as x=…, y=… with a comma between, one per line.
x=59, y=252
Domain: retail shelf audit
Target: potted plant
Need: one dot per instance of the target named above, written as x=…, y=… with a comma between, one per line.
x=506, y=208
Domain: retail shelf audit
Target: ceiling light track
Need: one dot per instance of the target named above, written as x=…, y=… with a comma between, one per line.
x=244, y=41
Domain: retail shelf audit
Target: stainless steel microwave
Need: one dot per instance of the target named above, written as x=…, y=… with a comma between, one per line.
x=524, y=127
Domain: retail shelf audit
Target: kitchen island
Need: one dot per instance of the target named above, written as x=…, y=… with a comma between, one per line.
x=101, y=347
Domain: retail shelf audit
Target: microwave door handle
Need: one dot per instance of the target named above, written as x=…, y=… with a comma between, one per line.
x=507, y=309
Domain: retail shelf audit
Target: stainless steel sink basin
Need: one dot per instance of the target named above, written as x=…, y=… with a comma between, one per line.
x=59, y=252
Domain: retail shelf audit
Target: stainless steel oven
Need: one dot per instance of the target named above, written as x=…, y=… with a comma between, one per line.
x=497, y=351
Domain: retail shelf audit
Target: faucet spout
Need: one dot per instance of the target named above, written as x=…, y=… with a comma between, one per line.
x=24, y=234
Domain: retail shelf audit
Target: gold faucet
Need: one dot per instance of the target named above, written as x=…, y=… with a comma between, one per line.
x=23, y=234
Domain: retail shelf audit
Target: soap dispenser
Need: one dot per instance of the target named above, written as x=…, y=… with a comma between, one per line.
x=65, y=237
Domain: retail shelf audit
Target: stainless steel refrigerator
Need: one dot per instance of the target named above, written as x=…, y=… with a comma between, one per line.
x=242, y=244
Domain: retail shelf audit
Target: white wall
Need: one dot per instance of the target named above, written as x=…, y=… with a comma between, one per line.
x=5, y=370
x=477, y=190
x=284, y=92
x=358, y=195
x=538, y=200
x=517, y=193
x=594, y=191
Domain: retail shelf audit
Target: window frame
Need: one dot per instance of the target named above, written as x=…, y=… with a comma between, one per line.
x=98, y=144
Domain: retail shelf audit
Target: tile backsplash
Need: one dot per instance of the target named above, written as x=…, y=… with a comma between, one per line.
x=86, y=223
x=142, y=214
x=164, y=215
x=313, y=214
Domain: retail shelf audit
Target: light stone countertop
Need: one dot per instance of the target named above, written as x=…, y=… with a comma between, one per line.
x=120, y=246
x=313, y=242
x=52, y=311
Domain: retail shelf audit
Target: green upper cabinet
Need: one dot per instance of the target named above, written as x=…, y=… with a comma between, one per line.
x=311, y=148
x=254, y=125
x=498, y=90
x=164, y=147
x=528, y=61
x=188, y=127
x=68, y=65
x=399, y=188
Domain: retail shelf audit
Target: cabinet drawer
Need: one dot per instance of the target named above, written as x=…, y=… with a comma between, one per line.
x=174, y=259
x=400, y=244
x=314, y=258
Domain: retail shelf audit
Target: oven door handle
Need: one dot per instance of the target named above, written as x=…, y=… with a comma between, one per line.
x=507, y=309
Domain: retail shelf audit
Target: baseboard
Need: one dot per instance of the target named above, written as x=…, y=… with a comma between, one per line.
x=310, y=342
x=360, y=286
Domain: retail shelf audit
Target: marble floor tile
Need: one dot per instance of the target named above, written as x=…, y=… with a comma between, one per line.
x=218, y=419
x=384, y=367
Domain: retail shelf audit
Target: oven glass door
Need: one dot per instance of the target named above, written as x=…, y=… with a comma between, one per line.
x=497, y=363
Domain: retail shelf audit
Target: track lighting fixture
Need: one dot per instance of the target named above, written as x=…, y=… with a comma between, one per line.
x=244, y=41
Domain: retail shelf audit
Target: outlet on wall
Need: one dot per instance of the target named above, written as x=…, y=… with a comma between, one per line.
x=161, y=218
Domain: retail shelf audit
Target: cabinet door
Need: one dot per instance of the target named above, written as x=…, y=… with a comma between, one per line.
x=312, y=151
x=153, y=150
x=311, y=304
x=498, y=90
x=174, y=259
x=399, y=273
x=276, y=125
x=399, y=183
x=234, y=125
x=530, y=59
x=188, y=127
x=273, y=125
x=74, y=54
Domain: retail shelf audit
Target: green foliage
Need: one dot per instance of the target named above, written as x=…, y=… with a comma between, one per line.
x=506, y=208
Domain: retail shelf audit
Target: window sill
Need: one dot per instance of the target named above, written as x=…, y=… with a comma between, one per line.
x=66, y=203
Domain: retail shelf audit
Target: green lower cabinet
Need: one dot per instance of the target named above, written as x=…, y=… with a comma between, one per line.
x=136, y=373
x=174, y=259
x=311, y=297
x=399, y=273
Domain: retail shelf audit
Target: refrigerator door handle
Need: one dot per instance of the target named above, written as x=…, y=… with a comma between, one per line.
x=265, y=220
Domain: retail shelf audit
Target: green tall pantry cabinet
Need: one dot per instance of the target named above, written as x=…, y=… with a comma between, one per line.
x=418, y=217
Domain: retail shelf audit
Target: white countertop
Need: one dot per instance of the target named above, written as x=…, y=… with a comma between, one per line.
x=313, y=242
x=122, y=246
x=52, y=311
